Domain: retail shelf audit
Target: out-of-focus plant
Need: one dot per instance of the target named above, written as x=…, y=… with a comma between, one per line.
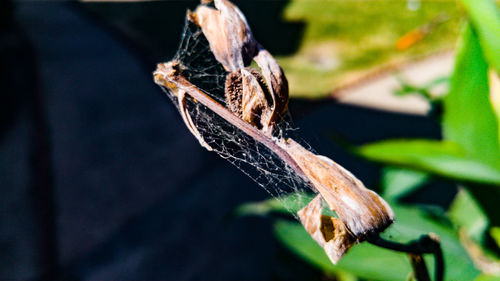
x=468, y=155
x=392, y=32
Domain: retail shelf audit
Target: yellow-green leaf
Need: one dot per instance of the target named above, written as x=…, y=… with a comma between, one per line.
x=495, y=234
x=465, y=212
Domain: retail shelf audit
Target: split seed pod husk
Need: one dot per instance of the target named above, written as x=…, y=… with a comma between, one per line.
x=228, y=34
x=276, y=82
x=246, y=95
x=234, y=46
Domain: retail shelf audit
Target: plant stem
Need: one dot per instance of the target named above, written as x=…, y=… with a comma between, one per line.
x=174, y=76
x=419, y=268
x=426, y=244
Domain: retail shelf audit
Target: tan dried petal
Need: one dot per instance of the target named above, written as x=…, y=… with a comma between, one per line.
x=254, y=106
x=228, y=34
x=360, y=209
x=330, y=233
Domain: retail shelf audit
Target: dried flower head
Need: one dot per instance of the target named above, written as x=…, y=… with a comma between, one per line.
x=234, y=46
x=255, y=102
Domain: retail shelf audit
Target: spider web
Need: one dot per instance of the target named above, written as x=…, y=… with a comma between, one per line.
x=200, y=67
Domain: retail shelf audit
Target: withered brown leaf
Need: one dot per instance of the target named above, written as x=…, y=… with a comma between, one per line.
x=330, y=233
x=360, y=209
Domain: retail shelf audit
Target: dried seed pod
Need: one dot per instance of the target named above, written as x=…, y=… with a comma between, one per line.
x=228, y=34
x=234, y=92
x=360, y=209
x=330, y=233
x=254, y=106
x=247, y=96
x=276, y=82
x=234, y=46
x=258, y=101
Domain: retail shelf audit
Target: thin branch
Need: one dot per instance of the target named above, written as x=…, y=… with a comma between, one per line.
x=426, y=244
x=419, y=268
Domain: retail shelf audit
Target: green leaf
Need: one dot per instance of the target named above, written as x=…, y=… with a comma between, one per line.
x=439, y=157
x=468, y=117
x=426, y=90
x=465, y=212
x=485, y=18
x=397, y=182
x=495, y=234
x=374, y=263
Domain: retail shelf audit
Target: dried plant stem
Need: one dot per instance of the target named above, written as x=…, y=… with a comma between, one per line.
x=176, y=78
x=427, y=244
x=419, y=268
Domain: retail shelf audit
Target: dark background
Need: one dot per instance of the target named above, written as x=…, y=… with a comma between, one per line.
x=101, y=180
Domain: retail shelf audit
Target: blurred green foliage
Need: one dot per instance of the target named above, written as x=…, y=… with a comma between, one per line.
x=443, y=158
x=468, y=155
x=345, y=40
x=401, y=181
x=365, y=260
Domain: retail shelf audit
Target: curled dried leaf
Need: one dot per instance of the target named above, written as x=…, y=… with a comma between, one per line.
x=360, y=209
x=330, y=233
